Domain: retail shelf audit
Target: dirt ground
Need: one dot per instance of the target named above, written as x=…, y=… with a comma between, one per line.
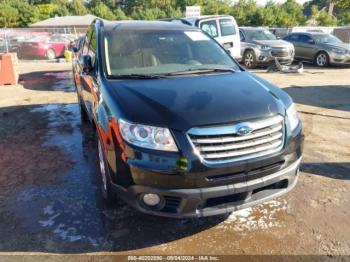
x=49, y=192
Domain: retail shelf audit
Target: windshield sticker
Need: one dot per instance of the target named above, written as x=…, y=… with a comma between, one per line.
x=197, y=36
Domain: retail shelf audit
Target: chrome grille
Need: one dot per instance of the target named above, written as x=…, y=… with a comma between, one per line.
x=222, y=144
x=280, y=52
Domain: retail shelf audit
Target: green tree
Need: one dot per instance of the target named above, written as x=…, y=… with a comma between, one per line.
x=120, y=15
x=325, y=19
x=27, y=14
x=293, y=13
x=269, y=15
x=46, y=10
x=216, y=7
x=101, y=10
x=61, y=7
x=244, y=11
x=8, y=15
x=77, y=7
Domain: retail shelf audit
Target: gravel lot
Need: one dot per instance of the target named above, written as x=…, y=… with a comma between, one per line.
x=49, y=192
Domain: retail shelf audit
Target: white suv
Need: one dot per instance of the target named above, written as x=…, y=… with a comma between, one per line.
x=223, y=28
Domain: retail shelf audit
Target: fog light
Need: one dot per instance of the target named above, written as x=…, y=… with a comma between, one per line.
x=151, y=199
x=261, y=58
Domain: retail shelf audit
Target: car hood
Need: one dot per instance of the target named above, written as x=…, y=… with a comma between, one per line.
x=184, y=102
x=274, y=43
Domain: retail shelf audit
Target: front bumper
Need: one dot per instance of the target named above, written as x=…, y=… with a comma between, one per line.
x=266, y=57
x=337, y=59
x=201, y=202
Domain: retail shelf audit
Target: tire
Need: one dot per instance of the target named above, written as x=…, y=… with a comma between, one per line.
x=249, y=59
x=50, y=54
x=106, y=189
x=83, y=114
x=322, y=59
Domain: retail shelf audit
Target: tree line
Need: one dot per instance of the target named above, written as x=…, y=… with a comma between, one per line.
x=21, y=13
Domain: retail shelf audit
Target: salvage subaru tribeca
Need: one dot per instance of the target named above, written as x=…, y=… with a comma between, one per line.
x=182, y=130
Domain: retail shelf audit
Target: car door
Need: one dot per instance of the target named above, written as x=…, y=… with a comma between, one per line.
x=307, y=47
x=295, y=40
x=88, y=79
x=77, y=66
x=229, y=35
x=244, y=44
x=210, y=26
x=58, y=44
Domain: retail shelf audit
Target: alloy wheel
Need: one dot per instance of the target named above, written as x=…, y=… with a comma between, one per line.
x=249, y=60
x=321, y=59
x=51, y=54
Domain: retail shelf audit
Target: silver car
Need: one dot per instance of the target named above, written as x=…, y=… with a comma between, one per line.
x=320, y=48
x=260, y=47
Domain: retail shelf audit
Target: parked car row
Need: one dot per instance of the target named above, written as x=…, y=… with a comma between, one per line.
x=259, y=46
x=38, y=46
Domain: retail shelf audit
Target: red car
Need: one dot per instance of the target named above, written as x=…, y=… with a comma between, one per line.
x=45, y=47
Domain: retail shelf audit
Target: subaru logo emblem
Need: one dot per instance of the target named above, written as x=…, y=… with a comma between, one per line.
x=244, y=130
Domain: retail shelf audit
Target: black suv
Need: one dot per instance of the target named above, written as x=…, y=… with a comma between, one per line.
x=182, y=129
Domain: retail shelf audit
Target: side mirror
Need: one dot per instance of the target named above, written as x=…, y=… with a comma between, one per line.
x=311, y=42
x=278, y=37
x=86, y=63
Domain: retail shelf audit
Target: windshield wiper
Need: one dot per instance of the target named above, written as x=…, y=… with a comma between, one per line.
x=137, y=76
x=201, y=71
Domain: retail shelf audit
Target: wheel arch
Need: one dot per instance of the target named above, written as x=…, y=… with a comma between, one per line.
x=321, y=51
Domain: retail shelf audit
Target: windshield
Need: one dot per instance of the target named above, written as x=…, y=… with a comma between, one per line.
x=327, y=39
x=260, y=35
x=162, y=52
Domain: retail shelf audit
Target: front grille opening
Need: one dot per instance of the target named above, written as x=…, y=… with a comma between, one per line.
x=172, y=204
x=279, y=185
x=267, y=167
x=221, y=144
x=240, y=197
x=248, y=173
x=215, y=201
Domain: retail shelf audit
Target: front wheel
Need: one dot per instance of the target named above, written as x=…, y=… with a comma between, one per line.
x=322, y=59
x=249, y=59
x=50, y=54
x=106, y=190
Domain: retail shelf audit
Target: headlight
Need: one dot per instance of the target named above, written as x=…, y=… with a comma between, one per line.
x=292, y=117
x=339, y=51
x=265, y=47
x=147, y=136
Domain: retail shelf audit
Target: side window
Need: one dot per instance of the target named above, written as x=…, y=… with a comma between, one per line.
x=241, y=36
x=305, y=39
x=85, y=45
x=286, y=38
x=90, y=44
x=92, y=48
x=210, y=28
x=294, y=38
x=227, y=27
